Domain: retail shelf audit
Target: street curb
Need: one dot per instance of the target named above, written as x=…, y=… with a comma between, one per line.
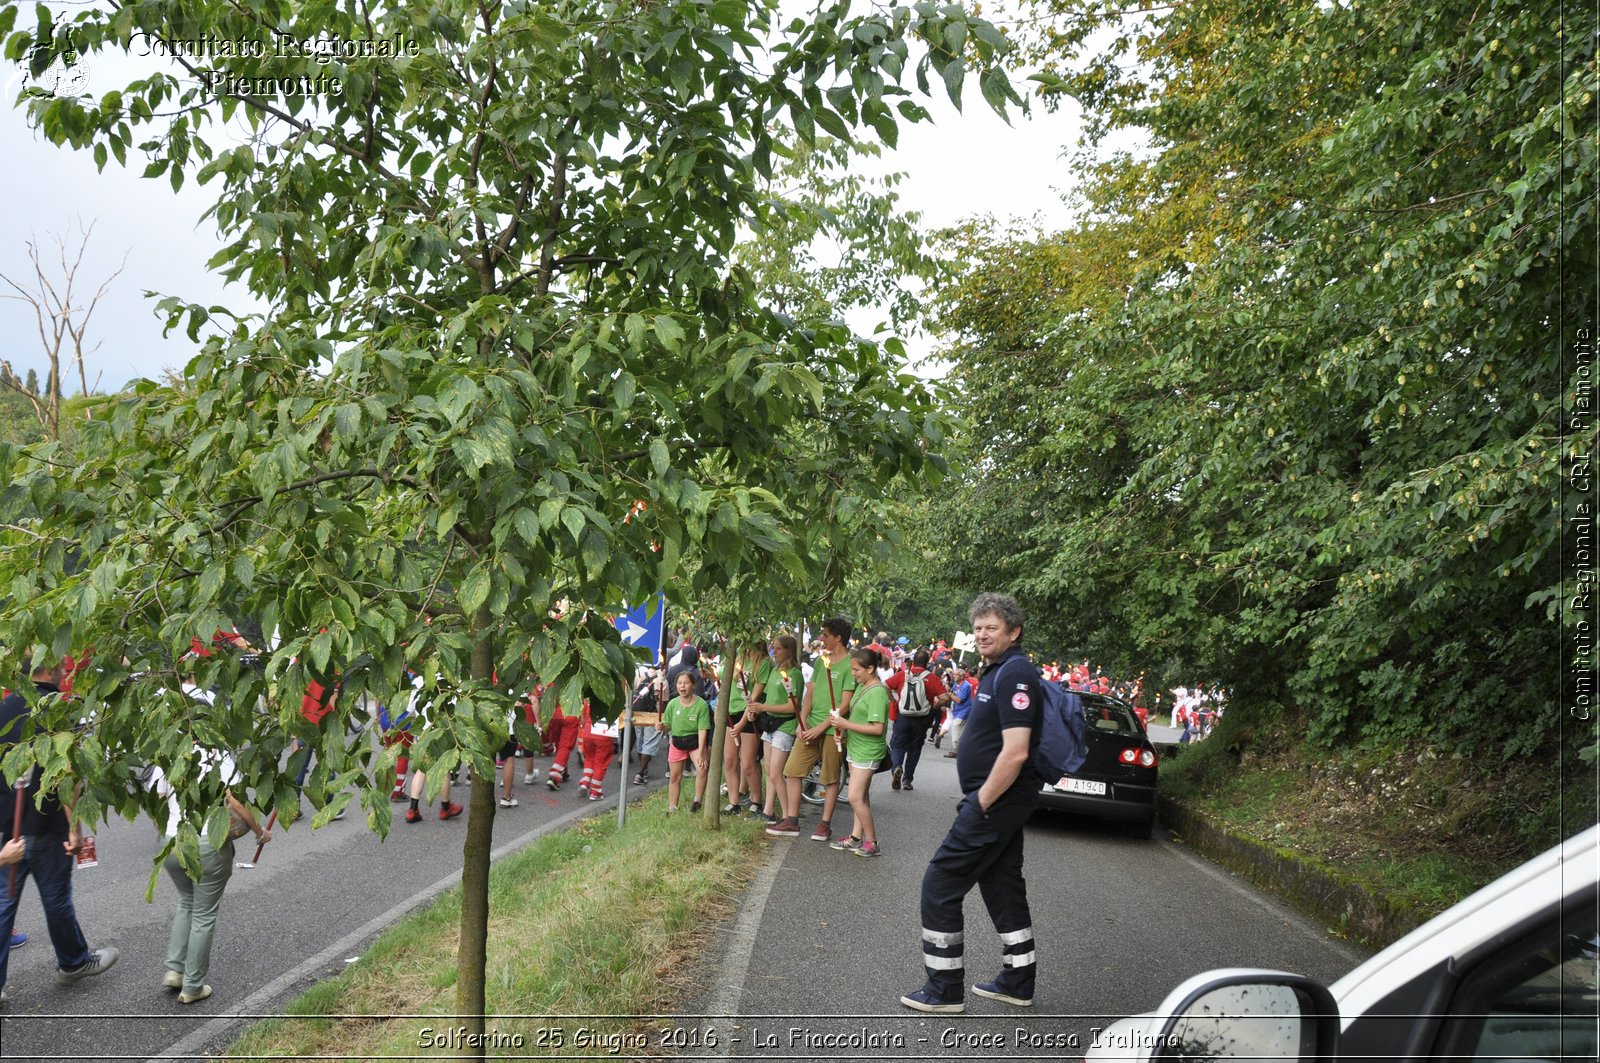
x=1311, y=887
x=734, y=965
x=256, y=1005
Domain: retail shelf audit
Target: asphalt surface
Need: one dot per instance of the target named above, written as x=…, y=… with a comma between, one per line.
x=310, y=891
x=810, y=968
x=814, y=967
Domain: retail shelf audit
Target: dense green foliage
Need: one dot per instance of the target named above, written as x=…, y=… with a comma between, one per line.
x=510, y=362
x=1286, y=404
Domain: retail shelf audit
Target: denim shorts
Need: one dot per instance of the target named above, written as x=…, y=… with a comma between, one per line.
x=781, y=740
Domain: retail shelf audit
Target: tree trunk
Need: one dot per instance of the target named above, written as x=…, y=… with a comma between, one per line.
x=473, y=955
x=719, y=742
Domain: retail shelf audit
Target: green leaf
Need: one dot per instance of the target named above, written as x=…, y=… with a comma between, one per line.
x=832, y=123
x=575, y=523
x=596, y=552
x=954, y=74
x=527, y=525
x=668, y=332
x=474, y=589
x=216, y=828
x=320, y=650
x=211, y=579
x=634, y=326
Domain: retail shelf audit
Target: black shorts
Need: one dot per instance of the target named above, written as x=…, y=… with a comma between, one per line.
x=733, y=721
x=509, y=749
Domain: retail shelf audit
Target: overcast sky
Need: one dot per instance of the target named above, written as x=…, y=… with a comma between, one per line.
x=960, y=165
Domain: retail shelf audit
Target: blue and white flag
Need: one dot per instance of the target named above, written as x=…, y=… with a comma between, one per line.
x=644, y=625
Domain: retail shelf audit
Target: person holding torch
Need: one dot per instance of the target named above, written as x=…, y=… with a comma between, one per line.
x=830, y=691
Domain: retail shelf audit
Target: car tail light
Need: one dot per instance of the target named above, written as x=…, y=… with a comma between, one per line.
x=1128, y=756
x=1142, y=757
x=1147, y=759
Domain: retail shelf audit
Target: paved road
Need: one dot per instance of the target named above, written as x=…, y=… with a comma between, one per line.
x=815, y=963
x=824, y=944
x=311, y=890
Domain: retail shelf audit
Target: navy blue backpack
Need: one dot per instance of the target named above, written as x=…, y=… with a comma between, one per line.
x=1063, y=741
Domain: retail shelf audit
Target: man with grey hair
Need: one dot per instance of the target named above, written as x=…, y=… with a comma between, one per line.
x=984, y=845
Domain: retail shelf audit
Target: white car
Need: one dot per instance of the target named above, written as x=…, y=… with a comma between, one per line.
x=1510, y=974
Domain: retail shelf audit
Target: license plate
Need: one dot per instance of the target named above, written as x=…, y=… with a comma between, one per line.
x=1080, y=786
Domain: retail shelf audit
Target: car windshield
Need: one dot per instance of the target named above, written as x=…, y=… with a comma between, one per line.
x=1109, y=717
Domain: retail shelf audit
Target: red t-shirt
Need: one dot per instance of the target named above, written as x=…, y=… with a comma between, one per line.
x=74, y=665
x=316, y=704
x=933, y=686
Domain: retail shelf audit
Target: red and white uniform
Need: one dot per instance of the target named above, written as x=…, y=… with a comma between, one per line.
x=563, y=731
x=599, y=747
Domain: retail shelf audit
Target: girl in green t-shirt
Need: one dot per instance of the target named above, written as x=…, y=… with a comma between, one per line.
x=865, y=747
x=780, y=690
x=742, y=764
x=687, y=718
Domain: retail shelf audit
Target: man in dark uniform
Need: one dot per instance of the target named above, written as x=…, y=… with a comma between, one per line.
x=984, y=846
x=50, y=843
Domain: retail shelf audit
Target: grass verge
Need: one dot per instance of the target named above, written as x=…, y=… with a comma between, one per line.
x=1419, y=828
x=584, y=922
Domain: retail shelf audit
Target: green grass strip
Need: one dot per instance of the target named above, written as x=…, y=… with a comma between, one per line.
x=585, y=921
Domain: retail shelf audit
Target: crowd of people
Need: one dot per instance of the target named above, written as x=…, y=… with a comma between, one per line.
x=1197, y=709
x=840, y=707
x=850, y=707
x=835, y=708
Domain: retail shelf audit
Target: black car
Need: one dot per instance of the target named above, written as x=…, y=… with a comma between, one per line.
x=1118, y=778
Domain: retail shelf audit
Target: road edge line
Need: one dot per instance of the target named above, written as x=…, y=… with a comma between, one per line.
x=741, y=947
x=191, y=1045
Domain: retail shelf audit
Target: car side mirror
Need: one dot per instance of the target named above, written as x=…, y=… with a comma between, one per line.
x=1252, y=1015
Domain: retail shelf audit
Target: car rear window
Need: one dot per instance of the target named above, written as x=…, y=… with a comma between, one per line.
x=1105, y=716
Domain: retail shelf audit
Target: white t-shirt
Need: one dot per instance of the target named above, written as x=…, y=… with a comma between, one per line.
x=211, y=760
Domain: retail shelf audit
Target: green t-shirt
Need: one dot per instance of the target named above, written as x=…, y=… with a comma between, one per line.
x=764, y=673
x=688, y=719
x=869, y=706
x=773, y=693
x=822, y=696
x=736, y=698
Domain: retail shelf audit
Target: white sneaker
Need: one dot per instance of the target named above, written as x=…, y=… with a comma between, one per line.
x=527, y=779
x=198, y=995
x=509, y=802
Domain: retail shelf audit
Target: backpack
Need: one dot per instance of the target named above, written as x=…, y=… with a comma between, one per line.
x=1063, y=734
x=914, y=696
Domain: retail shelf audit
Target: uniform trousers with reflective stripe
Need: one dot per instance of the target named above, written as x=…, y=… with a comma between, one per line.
x=982, y=849
x=563, y=731
x=598, y=751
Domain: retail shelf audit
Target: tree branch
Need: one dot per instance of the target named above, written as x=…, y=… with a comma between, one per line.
x=499, y=247
x=338, y=143
x=485, y=262
x=558, y=205
x=244, y=504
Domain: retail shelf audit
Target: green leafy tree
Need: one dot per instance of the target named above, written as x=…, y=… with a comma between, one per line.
x=1290, y=411
x=509, y=362
x=839, y=240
